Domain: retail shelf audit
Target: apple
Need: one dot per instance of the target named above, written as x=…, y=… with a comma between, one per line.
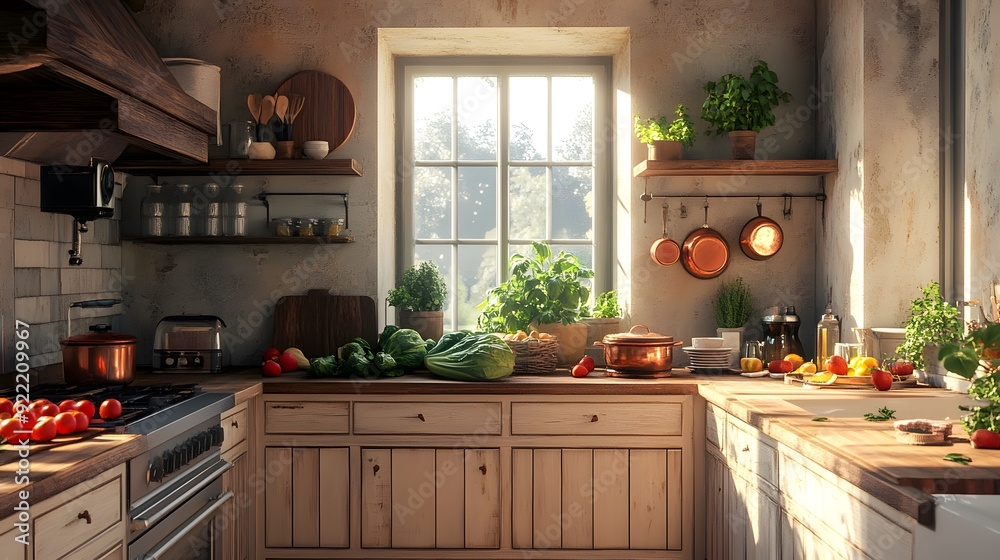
x=780, y=366
x=985, y=439
x=271, y=354
x=288, y=362
x=881, y=379
x=837, y=364
x=270, y=368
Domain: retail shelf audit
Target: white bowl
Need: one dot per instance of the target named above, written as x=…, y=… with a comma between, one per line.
x=315, y=153
x=706, y=342
x=323, y=144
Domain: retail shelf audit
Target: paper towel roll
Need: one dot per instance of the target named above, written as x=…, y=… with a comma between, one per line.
x=201, y=81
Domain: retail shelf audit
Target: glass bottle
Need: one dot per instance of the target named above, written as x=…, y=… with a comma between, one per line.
x=827, y=336
x=234, y=211
x=154, y=212
x=180, y=204
x=211, y=212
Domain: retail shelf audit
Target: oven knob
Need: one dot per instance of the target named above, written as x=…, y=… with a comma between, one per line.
x=180, y=457
x=169, y=361
x=155, y=471
x=218, y=436
x=168, y=462
x=198, y=361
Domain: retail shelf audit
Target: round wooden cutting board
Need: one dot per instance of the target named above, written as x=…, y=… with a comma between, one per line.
x=328, y=112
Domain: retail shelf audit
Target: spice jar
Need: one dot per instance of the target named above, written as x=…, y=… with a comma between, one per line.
x=308, y=227
x=283, y=227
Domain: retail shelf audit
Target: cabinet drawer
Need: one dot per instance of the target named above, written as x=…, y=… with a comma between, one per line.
x=234, y=429
x=750, y=450
x=65, y=528
x=611, y=419
x=427, y=418
x=305, y=417
x=715, y=426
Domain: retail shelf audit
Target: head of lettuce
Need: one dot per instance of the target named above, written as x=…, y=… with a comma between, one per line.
x=465, y=356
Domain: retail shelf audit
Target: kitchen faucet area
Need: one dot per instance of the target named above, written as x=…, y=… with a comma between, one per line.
x=568, y=279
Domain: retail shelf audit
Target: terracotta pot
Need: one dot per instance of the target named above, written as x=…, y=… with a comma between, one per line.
x=664, y=150
x=743, y=143
x=430, y=324
x=572, y=341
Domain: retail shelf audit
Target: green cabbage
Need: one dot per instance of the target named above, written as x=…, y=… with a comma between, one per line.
x=328, y=366
x=406, y=347
x=470, y=357
x=386, y=333
x=358, y=365
x=386, y=365
x=350, y=349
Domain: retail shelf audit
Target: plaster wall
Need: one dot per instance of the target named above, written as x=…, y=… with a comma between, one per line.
x=674, y=48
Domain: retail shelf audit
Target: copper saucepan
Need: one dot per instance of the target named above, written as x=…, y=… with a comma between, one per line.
x=665, y=251
x=705, y=253
x=635, y=353
x=761, y=238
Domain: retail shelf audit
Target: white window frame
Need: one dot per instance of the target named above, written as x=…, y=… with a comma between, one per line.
x=504, y=68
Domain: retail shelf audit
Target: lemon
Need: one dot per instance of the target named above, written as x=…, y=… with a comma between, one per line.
x=869, y=362
x=854, y=362
x=795, y=359
x=807, y=367
x=824, y=378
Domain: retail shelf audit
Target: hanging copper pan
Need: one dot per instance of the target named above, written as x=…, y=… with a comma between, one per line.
x=665, y=251
x=705, y=253
x=761, y=238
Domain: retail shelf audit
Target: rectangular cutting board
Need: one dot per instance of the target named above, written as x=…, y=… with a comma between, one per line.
x=318, y=322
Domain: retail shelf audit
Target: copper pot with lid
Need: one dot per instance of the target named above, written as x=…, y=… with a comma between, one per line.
x=99, y=357
x=639, y=354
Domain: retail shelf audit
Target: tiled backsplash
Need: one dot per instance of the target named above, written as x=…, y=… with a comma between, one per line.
x=37, y=285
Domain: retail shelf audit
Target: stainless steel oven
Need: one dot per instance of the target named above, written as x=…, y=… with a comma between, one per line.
x=188, y=532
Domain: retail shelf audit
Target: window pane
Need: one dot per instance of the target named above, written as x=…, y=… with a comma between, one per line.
x=477, y=118
x=526, y=199
x=529, y=118
x=432, y=202
x=477, y=203
x=432, y=114
x=573, y=118
x=477, y=274
x=572, y=203
x=441, y=256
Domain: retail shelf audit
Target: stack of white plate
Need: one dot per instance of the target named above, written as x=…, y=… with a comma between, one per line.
x=709, y=360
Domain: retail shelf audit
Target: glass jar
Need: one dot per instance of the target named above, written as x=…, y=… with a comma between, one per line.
x=154, y=212
x=241, y=133
x=211, y=214
x=283, y=227
x=234, y=211
x=308, y=227
x=180, y=210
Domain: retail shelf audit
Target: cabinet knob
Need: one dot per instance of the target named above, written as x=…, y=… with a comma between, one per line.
x=84, y=515
x=236, y=424
x=746, y=448
x=594, y=418
x=421, y=417
x=482, y=469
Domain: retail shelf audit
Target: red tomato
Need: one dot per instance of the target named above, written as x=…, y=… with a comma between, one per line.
x=271, y=354
x=7, y=429
x=45, y=408
x=588, y=363
x=82, y=422
x=6, y=405
x=87, y=408
x=67, y=405
x=44, y=430
x=580, y=370
x=270, y=368
x=28, y=419
x=111, y=409
x=881, y=379
x=65, y=423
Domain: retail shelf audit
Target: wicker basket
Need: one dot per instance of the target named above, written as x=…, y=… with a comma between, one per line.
x=534, y=356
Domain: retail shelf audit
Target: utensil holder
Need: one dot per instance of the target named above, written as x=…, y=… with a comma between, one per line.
x=284, y=149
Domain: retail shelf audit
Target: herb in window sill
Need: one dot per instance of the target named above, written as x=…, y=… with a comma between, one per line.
x=958, y=458
x=821, y=419
x=882, y=415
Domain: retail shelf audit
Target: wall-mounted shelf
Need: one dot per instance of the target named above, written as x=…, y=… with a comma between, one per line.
x=247, y=167
x=707, y=167
x=240, y=240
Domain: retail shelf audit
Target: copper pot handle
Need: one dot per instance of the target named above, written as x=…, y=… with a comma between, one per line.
x=632, y=330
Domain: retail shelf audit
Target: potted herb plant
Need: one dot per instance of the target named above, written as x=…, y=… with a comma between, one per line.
x=742, y=107
x=733, y=305
x=544, y=292
x=977, y=357
x=419, y=300
x=932, y=322
x=606, y=318
x=665, y=138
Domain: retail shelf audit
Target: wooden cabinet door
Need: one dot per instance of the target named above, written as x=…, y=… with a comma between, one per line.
x=717, y=527
x=307, y=497
x=430, y=498
x=233, y=526
x=596, y=499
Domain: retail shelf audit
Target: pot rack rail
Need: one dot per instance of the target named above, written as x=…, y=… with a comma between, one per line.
x=820, y=197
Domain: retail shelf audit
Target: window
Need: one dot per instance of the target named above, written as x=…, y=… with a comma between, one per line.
x=497, y=155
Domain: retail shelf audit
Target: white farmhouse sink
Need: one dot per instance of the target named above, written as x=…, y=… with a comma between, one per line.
x=938, y=407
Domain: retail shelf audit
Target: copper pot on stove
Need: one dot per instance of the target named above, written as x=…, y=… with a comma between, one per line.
x=99, y=357
x=640, y=354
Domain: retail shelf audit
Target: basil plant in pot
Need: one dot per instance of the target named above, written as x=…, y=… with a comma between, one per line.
x=733, y=305
x=666, y=138
x=932, y=322
x=419, y=300
x=742, y=107
x=544, y=293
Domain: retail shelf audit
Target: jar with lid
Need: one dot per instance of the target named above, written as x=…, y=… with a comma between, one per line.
x=283, y=227
x=154, y=212
x=241, y=134
x=180, y=210
x=827, y=336
x=234, y=211
x=211, y=211
x=308, y=227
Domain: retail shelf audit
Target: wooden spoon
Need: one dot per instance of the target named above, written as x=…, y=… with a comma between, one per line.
x=281, y=107
x=266, y=109
x=295, y=105
x=253, y=103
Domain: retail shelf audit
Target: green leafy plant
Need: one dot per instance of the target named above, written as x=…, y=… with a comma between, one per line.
x=421, y=289
x=733, y=304
x=932, y=321
x=680, y=129
x=977, y=357
x=606, y=306
x=738, y=103
x=541, y=289
x=881, y=415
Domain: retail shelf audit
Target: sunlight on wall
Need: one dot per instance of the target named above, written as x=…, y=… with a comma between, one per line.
x=856, y=213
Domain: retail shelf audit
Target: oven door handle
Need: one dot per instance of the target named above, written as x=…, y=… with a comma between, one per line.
x=203, y=479
x=175, y=537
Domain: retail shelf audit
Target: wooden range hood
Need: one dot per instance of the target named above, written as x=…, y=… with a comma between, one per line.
x=79, y=79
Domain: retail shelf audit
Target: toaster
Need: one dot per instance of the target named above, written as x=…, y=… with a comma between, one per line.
x=188, y=343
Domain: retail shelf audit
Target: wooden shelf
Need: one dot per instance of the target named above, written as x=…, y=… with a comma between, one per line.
x=706, y=167
x=247, y=167
x=227, y=240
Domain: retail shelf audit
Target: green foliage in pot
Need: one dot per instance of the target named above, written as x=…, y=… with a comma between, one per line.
x=977, y=357
x=932, y=321
x=738, y=103
x=541, y=289
x=421, y=289
x=606, y=305
x=680, y=129
x=733, y=304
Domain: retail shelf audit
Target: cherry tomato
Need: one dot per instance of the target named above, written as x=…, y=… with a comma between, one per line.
x=45, y=408
x=579, y=370
x=11, y=425
x=6, y=405
x=588, y=363
x=67, y=405
x=5, y=415
x=65, y=423
x=111, y=409
x=87, y=408
x=28, y=419
x=44, y=430
x=82, y=422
